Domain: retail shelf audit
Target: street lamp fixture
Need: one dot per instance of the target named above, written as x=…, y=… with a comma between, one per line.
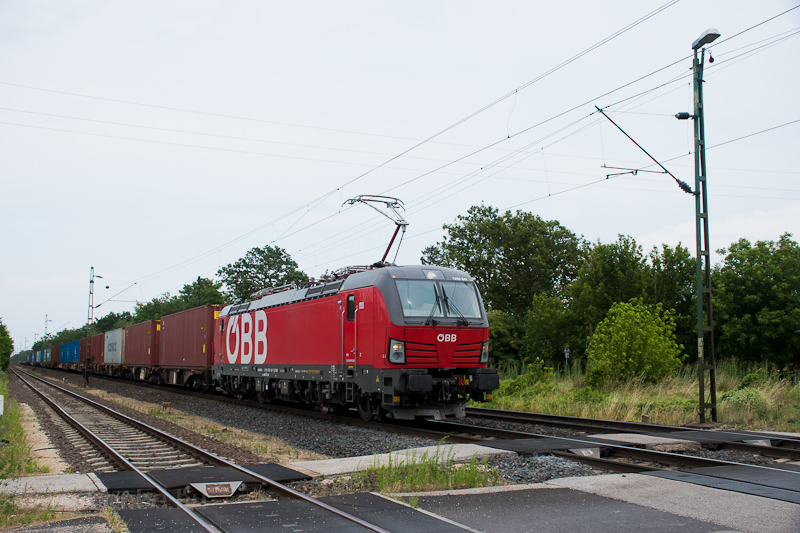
x=709, y=36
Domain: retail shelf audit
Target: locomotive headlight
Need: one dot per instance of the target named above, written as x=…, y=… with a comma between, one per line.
x=485, y=352
x=397, y=352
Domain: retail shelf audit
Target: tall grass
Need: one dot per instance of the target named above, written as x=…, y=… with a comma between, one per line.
x=15, y=453
x=16, y=461
x=437, y=471
x=672, y=401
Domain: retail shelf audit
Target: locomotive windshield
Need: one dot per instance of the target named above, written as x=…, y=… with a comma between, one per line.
x=438, y=299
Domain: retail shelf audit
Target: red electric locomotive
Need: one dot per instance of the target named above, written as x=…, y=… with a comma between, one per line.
x=407, y=341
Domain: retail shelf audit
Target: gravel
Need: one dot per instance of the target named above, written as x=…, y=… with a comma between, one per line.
x=734, y=456
x=536, y=469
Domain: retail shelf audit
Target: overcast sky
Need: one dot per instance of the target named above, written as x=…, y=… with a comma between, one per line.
x=160, y=140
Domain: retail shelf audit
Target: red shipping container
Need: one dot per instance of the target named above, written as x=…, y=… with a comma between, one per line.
x=55, y=351
x=187, y=338
x=141, y=344
x=96, y=352
x=82, y=351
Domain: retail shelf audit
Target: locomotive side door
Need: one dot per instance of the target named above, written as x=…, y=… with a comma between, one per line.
x=349, y=335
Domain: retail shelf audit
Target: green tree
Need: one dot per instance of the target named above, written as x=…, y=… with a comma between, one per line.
x=260, y=268
x=157, y=307
x=757, y=301
x=506, y=332
x=112, y=321
x=634, y=340
x=672, y=284
x=203, y=292
x=550, y=326
x=512, y=256
x=6, y=347
x=614, y=272
x=432, y=255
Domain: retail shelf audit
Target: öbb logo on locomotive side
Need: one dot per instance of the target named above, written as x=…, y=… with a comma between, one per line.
x=446, y=337
x=246, y=341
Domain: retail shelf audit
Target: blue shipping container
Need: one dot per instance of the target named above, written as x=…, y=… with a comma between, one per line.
x=70, y=352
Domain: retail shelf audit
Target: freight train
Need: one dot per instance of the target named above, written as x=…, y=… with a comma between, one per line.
x=402, y=341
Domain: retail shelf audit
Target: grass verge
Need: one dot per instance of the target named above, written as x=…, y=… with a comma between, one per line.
x=749, y=396
x=16, y=461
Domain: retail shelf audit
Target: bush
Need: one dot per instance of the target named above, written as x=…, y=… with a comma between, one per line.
x=537, y=377
x=634, y=340
x=754, y=378
x=586, y=395
x=748, y=398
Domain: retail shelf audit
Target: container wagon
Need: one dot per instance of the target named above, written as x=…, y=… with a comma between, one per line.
x=141, y=350
x=185, y=347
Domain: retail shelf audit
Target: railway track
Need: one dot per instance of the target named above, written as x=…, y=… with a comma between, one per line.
x=761, y=443
x=118, y=456
x=773, y=481
x=616, y=457
x=780, y=446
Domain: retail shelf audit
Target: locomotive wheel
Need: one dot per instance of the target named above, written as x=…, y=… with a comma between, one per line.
x=263, y=398
x=367, y=411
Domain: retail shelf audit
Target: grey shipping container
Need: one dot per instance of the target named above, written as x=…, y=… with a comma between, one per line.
x=114, y=347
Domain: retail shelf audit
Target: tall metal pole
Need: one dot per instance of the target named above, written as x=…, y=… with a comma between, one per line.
x=88, y=356
x=91, y=299
x=705, y=316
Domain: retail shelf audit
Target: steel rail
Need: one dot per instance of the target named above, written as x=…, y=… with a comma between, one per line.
x=668, y=458
x=571, y=421
x=117, y=457
x=220, y=461
x=608, y=464
x=642, y=428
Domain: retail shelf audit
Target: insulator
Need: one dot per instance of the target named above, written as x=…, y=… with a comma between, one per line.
x=685, y=187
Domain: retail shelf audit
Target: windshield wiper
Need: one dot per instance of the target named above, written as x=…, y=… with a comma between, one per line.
x=433, y=310
x=452, y=306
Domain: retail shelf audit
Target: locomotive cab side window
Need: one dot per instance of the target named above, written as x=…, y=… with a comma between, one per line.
x=351, y=307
